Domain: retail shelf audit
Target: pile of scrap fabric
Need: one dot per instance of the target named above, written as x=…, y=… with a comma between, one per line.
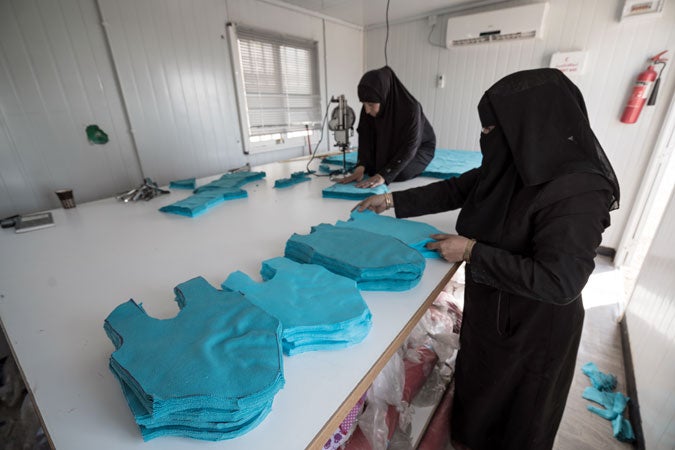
x=602, y=392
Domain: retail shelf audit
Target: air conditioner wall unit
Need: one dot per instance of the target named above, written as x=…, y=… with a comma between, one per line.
x=518, y=22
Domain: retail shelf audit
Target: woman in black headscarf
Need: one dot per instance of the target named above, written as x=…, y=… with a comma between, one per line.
x=396, y=141
x=532, y=218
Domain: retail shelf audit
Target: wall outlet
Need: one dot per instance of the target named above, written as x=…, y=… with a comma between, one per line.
x=440, y=81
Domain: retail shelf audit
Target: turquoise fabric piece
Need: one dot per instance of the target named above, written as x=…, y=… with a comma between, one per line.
x=374, y=261
x=210, y=372
x=295, y=178
x=349, y=191
x=312, y=316
x=336, y=160
x=452, y=163
x=614, y=403
x=414, y=234
x=599, y=380
x=445, y=164
x=227, y=187
x=188, y=183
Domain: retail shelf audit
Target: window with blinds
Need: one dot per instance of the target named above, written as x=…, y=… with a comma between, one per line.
x=280, y=85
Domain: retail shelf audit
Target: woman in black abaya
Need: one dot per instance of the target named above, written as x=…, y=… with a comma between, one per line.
x=396, y=141
x=532, y=217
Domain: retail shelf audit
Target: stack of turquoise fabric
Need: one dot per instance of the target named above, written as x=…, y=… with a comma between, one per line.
x=318, y=309
x=445, y=164
x=227, y=187
x=376, y=262
x=349, y=191
x=295, y=178
x=415, y=234
x=209, y=373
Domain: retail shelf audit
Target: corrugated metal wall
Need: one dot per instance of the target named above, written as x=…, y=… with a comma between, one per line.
x=651, y=326
x=617, y=52
x=55, y=79
x=172, y=62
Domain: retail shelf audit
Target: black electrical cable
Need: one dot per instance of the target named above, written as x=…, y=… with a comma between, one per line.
x=316, y=147
x=386, y=40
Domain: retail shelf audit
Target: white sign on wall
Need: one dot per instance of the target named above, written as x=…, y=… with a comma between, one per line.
x=570, y=63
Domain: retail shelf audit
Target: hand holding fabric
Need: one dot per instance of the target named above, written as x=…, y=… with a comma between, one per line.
x=371, y=182
x=357, y=176
x=376, y=203
x=450, y=246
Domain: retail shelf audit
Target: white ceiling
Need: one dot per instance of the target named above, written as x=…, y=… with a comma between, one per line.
x=372, y=12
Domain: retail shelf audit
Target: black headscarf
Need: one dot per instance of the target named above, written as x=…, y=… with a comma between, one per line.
x=541, y=134
x=388, y=142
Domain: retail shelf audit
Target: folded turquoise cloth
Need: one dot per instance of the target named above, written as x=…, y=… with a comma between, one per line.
x=210, y=372
x=312, y=317
x=374, y=261
x=295, y=178
x=188, y=183
x=415, y=234
x=349, y=191
x=227, y=187
x=445, y=164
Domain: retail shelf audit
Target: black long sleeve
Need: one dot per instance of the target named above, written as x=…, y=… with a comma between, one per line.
x=565, y=237
x=436, y=197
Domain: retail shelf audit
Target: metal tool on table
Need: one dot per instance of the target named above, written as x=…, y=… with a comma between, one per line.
x=147, y=191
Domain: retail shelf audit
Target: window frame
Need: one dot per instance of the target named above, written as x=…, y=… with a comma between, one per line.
x=283, y=142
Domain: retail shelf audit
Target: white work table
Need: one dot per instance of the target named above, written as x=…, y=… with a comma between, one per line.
x=57, y=285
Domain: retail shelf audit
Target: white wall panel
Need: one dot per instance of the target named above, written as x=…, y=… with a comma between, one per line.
x=173, y=65
x=55, y=79
x=617, y=52
x=650, y=318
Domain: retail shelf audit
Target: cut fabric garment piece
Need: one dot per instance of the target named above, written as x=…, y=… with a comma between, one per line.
x=414, y=234
x=599, y=380
x=211, y=372
x=295, y=178
x=445, y=164
x=188, y=183
x=374, y=261
x=349, y=191
x=614, y=402
x=206, y=197
x=452, y=163
x=312, y=317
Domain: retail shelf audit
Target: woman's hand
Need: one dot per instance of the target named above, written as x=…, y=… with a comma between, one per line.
x=377, y=203
x=450, y=246
x=357, y=175
x=371, y=182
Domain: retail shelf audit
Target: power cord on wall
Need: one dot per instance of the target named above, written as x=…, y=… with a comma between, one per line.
x=386, y=40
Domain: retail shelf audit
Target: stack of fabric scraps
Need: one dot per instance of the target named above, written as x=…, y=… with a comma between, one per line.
x=206, y=197
x=601, y=392
x=445, y=164
x=296, y=178
x=318, y=309
x=188, y=183
x=374, y=261
x=349, y=191
x=209, y=373
x=414, y=234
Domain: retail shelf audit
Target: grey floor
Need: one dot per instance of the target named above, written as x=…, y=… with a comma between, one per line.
x=600, y=343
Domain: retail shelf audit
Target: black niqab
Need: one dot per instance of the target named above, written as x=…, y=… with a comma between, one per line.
x=541, y=134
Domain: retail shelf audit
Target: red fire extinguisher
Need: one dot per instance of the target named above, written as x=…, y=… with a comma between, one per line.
x=641, y=89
